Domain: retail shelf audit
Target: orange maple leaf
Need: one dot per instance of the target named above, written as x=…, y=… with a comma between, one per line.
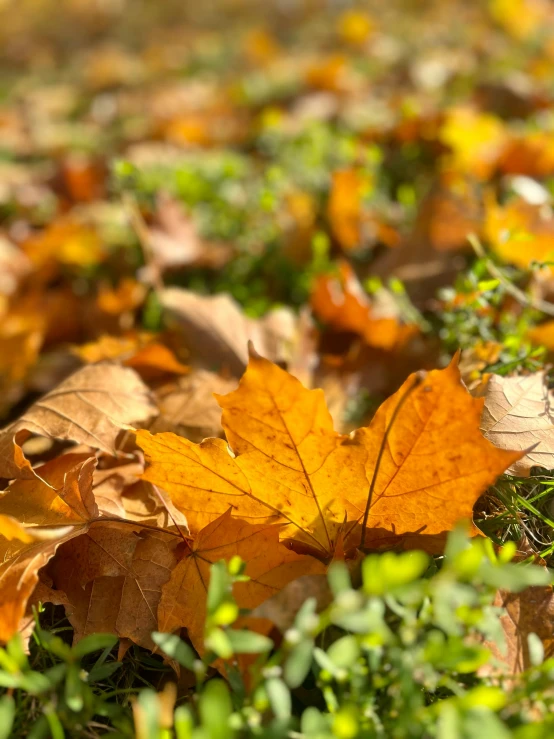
x=269, y=565
x=422, y=452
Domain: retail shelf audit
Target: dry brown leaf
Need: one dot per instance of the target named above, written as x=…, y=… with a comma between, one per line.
x=112, y=578
x=269, y=565
x=281, y=608
x=188, y=406
x=287, y=462
x=120, y=492
x=91, y=407
x=217, y=332
x=528, y=612
x=46, y=517
x=518, y=415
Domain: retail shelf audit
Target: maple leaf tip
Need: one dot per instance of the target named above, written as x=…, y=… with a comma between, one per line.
x=252, y=353
x=455, y=361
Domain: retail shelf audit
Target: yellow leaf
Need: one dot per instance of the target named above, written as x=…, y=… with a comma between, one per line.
x=476, y=141
x=66, y=242
x=519, y=232
x=355, y=27
x=520, y=18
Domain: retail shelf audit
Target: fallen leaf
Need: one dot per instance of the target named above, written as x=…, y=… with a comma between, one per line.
x=35, y=518
x=288, y=464
x=139, y=350
x=120, y=492
x=22, y=331
x=260, y=46
x=476, y=141
x=217, y=332
x=14, y=266
x=298, y=222
x=473, y=363
x=188, y=406
x=345, y=208
x=327, y=73
x=109, y=347
x=448, y=214
x=112, y=578
x=65, y=242
x=520, y=18
x=355, y=27
x=528, y=612
x=341, y=302
x=156, y=359
x=531, y=155
x=124, y=298
x=543, y=335
x=519, y=232
x=91, y=407
x=82, y=178
x=281, y=608
x=269, y=565
x=518, y=415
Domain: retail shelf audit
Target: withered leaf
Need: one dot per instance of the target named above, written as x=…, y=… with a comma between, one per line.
x=528, y=612
x=217, y=332
x=288, y=464
x=120, y=492
x=188, y=406
x=46, y=517
x=112, y=578
x=90, y=407
x=518, y=415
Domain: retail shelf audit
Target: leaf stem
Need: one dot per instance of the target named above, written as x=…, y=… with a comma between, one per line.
x=418, y=379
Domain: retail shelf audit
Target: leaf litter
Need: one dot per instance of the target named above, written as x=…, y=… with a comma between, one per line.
x=273, y=207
